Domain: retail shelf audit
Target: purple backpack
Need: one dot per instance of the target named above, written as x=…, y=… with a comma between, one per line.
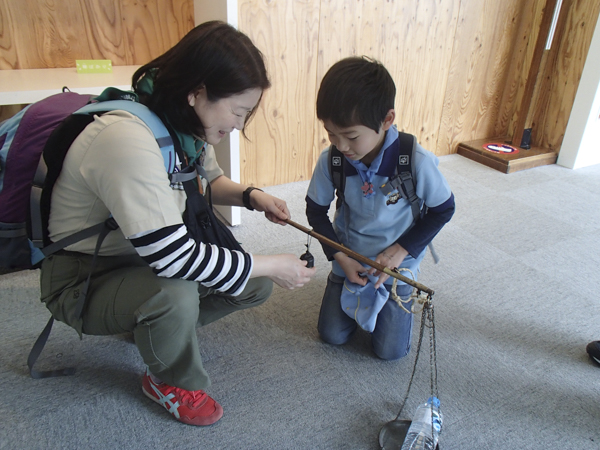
x=22, y=141
x=33, y=145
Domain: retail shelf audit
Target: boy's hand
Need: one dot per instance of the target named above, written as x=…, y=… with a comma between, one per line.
x=391, y=258
x=353, y=269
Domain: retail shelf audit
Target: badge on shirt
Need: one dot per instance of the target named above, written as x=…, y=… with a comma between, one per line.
x=367, y=189
x=393, y=198
x=391, y=190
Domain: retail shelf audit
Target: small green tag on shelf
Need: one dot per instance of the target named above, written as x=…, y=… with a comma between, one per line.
x=94, y=65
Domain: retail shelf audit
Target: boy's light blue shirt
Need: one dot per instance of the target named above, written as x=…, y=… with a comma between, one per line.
x=366, y=224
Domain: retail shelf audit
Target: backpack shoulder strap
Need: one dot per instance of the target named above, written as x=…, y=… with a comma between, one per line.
x=406, y=171
x=336, y=170
x=159, y=130
x=47, y=173
x=408, y=179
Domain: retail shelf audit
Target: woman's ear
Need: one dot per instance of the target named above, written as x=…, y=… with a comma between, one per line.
x=193, y=96
x=389, y=120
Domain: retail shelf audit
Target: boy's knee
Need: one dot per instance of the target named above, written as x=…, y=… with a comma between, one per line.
x=391, y=355
x=334, y=336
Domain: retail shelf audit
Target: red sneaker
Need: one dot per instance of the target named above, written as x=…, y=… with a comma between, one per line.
x=191, y=407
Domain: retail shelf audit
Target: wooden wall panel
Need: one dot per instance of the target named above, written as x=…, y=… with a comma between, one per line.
x=103, y=33
x=154, y=26
x=522, y=54
x=44, y=34
x=8, y=50
x=460, y=66
x=286, y=137
x=413, y=39
x=562, y=72
x=280, y=148
x=37, y=34
x=484, y=46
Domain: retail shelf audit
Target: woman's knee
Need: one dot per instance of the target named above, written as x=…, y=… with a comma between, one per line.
x=263, y=290
x=256, y=292
x=175, y=298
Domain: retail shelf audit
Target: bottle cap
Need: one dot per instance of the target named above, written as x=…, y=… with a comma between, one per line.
x=434, y=401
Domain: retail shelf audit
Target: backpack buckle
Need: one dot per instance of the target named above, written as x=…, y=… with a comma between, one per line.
x=111, y=224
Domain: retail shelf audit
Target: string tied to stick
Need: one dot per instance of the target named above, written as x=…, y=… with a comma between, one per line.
x=419, y=298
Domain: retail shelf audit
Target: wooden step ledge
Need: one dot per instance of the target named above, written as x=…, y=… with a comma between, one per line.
x=506, y=158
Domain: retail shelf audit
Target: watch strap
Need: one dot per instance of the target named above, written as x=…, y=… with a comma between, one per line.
x=246, y=197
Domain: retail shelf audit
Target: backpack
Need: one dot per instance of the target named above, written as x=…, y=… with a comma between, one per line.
x=403, y=181
x=48, y=128
x=33, y=145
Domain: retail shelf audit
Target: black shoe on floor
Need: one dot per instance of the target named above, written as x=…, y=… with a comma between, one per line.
x=593, y=349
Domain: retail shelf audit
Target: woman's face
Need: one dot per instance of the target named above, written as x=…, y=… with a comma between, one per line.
x=224, y=115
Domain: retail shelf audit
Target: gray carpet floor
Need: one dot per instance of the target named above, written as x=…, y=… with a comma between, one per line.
x=516, y=303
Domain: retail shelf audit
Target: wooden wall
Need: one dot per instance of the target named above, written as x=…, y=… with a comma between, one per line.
x=37, y=34
x=460, y=66
x=460, y=69
x=562, y=70
x=40, y=34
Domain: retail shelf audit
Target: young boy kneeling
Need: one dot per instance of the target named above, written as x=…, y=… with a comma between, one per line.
x=356, y=105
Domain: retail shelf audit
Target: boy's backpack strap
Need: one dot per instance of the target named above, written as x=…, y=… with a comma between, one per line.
x=406, y=171
x=336, y=169
x=407, y=176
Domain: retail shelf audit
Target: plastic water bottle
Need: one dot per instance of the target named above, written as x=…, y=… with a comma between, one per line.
x=419, y=434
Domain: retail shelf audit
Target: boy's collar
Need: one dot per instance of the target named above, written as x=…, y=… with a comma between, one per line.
x=387, y=156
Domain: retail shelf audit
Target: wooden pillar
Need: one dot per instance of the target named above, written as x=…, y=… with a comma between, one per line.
x=526, y=104
x=511, y=154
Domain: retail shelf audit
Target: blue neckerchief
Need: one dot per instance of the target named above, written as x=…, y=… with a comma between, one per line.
x=367, y=173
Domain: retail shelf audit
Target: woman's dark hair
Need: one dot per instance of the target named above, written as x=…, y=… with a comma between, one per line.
x=213, y=55
x=356, y=91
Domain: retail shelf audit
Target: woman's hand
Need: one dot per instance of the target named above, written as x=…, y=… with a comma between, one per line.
x=286, y=270
x=227, y=192
x=355, y=271
x=391, y=258
x=275, y=209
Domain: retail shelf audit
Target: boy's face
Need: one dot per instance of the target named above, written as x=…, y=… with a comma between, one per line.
x=357, y=142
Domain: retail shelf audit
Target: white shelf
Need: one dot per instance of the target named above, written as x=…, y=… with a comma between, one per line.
x=30, y=85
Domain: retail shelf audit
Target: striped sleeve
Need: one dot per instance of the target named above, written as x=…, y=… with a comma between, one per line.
x=172, y=253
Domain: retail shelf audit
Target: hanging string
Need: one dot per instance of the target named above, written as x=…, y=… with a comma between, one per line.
x=420, y=298
x=427, y=321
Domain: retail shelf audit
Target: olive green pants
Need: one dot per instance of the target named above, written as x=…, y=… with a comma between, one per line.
x=163, y=313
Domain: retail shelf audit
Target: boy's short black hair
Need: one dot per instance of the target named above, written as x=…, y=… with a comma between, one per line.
x=356, y=91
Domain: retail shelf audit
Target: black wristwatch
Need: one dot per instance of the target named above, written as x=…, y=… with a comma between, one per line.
x=246, y=197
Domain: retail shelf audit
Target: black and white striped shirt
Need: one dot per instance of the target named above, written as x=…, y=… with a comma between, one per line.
x=172, y=253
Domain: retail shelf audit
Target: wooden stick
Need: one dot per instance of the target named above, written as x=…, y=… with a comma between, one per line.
x=360, y=258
